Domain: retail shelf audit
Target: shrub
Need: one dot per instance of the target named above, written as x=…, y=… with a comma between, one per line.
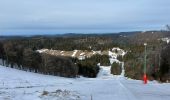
x=116, y=69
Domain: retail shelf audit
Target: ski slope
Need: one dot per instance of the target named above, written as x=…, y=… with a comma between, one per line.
x=20, y=85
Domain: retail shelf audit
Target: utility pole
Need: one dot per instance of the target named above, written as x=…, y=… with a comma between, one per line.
x=159, y=60
x=145, y=76
x=91, y=97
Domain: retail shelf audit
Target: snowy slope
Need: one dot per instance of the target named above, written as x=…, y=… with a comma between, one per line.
x=113, y=58
x=20, y=85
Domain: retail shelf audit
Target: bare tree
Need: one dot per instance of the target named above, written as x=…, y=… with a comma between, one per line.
x=45, y=58
x=168, y=27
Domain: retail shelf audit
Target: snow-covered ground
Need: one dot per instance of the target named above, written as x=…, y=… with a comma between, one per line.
x=20, y=85
x=42, y=50
x=74, y=53
x=113, y=58
x=167, y=40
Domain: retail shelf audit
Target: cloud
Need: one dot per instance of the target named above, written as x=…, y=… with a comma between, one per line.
x=114, y=15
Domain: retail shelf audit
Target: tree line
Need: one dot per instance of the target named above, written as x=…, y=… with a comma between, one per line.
x=157, y=62
x=16, y=55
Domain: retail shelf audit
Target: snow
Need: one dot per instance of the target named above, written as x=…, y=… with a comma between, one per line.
x=61, y=51
x=123, y=69
x=119, y=51
x=81, y=57
x=167, y=40
x=74, y=53
x=112, y=55
x=93, y=52
x=82, y=54
x=42, y=50
x=104, y=72
x=113, y=58
x=20, y=85
x=99, y=52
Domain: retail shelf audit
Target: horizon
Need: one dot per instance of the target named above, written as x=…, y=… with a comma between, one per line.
x=75, y=33
x=56, y=32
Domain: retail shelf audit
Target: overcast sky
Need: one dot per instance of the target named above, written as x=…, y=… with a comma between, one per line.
x=96, y=16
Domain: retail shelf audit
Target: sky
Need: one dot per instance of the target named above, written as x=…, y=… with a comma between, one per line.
x=29, y=17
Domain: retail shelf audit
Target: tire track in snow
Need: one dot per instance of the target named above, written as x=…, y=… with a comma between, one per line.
x=127, y=93
x=36, y=86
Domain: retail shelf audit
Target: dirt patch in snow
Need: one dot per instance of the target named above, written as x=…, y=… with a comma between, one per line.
x=60, y=95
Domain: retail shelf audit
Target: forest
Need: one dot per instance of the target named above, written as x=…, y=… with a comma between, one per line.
x=20, y=53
